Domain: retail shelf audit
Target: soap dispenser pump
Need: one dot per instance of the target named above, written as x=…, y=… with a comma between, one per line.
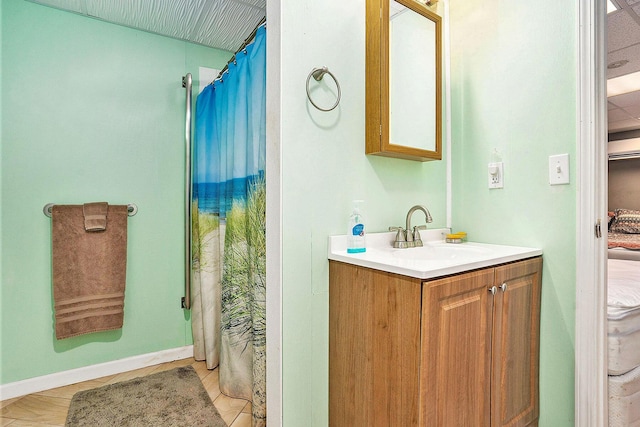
x=356, y=230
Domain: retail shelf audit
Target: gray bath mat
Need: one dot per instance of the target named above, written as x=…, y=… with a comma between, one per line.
x=171, y=398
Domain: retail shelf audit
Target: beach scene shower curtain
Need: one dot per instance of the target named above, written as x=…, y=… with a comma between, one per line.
x=229, y=245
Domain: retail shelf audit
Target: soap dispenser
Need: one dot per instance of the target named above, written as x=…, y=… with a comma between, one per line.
x=356, y=230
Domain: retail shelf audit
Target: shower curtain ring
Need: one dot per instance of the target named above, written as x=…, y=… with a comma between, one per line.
x=318, y=74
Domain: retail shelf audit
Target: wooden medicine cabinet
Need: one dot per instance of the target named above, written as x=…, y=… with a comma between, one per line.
x=403, y=80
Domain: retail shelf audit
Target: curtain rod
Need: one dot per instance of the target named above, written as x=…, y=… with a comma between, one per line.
x=244, y=45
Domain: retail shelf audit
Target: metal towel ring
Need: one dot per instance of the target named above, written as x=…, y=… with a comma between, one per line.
x=318, y=74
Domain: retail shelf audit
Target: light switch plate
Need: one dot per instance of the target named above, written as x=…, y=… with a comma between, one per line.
x=559, y=169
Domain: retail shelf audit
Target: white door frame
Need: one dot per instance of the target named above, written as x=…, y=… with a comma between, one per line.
x=591, y=400
x=274, y=217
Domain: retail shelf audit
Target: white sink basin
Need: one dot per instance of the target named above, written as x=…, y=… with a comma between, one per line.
x=438, y=251
x=436, y=258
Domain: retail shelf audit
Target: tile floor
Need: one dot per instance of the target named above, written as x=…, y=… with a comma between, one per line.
x=49, y=408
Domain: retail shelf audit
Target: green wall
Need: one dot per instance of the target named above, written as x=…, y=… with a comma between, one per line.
x=91, y=112
x=514, y=89
x=324, y=168
x=115, y=133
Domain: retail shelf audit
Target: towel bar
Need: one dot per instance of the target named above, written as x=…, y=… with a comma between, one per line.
x=132, y=209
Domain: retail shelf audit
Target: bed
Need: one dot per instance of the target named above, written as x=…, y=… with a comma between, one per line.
x=623, y=318
x=624, y=234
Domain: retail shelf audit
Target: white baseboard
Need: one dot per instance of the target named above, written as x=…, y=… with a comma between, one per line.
x=72, y=376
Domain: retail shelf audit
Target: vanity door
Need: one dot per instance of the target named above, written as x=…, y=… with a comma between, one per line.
x=516, y=343
x=480, y=347
x=455, y=372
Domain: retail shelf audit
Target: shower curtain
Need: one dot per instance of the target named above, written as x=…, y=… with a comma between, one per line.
x=229, y=281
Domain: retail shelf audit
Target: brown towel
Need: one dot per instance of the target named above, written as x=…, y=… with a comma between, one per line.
x=95, y=216
x=89, y=271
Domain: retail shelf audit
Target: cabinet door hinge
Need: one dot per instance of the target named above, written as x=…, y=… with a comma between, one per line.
x=598, y=229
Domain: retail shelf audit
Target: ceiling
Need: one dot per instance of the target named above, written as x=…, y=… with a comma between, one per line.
x=624, y=45
x=221, y=24
x=225, y=24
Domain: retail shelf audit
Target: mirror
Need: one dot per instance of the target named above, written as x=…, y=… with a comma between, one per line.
x=403, y=80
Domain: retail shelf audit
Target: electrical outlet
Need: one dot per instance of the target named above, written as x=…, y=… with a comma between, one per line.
x=496, y=175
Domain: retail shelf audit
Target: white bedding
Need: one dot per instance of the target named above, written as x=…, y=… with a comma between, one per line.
x=622, y=253
x=623, y=287
x=623, y=314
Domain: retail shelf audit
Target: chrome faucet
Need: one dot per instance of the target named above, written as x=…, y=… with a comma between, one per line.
x=410, y=238
x=427, y=216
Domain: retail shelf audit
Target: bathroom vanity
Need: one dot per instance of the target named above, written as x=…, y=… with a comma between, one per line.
x=447, y=341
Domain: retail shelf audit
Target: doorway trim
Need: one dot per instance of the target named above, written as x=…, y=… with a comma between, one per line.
x=591, y=401
x=274, y=216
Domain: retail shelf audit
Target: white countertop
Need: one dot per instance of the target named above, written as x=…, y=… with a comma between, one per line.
x=435, y=259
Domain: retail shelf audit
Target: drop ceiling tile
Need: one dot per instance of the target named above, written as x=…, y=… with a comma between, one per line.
x=623, y=31
x=612, y=104
x=631, y=54
x=633, y=111
x=626, y=100
x=619, y=115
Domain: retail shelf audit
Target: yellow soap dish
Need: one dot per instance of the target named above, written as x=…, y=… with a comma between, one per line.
x=456, y=237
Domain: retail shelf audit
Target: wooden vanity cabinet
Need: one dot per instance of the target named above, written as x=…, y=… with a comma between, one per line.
x=443, y=352
x=374, y=347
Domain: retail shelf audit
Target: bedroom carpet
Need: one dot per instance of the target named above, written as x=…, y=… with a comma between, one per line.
x=171, y=398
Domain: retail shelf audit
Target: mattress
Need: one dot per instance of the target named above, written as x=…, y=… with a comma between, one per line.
x=624, y=395
x=622, y=253
x=623, y=315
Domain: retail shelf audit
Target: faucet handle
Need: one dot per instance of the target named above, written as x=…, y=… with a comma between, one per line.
x=417, y=239
x=401, y=237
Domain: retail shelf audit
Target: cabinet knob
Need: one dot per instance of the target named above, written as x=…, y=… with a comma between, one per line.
x=493, y=290
x=503, y=287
